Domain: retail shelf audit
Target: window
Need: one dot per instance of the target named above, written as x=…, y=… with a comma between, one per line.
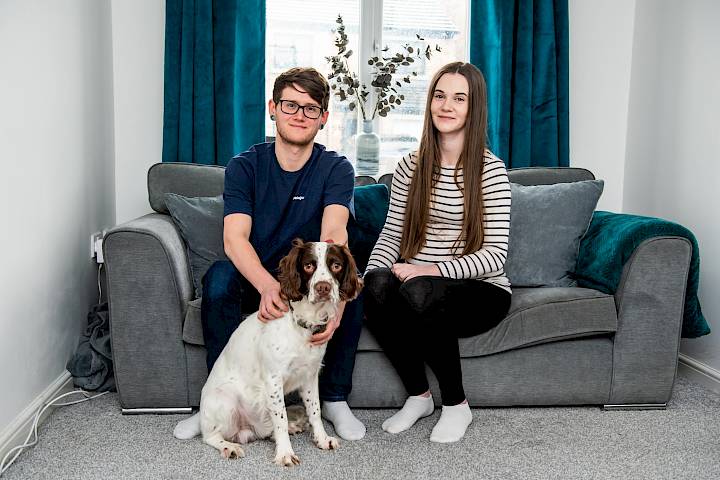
x=301, y=33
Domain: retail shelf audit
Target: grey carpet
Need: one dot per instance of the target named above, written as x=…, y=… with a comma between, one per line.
x=94, y=441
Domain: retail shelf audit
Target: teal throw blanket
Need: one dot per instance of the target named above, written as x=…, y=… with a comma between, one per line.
x=609, y=243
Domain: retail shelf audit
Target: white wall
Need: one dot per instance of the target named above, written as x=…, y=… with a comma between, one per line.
x=138, y=57
x=672, y=168
x=56, y=187
x=601, y=36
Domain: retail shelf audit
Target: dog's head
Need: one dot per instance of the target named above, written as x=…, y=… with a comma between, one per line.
x=324, y=272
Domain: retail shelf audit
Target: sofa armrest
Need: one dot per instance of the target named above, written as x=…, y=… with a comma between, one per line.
x=645, y=263
x=149, y=285
x=650, y=301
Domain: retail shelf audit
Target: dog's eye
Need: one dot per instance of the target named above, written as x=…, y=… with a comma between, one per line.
x=309, y=267
x=336, y=267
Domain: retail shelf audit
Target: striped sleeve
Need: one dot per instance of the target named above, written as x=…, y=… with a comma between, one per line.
x=387, y=249
x=489, y=260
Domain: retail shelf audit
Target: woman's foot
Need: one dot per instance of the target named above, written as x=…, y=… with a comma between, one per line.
x=415, y=408
x=453, y=423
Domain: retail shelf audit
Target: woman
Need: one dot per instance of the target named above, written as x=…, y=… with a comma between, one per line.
x=436, y=273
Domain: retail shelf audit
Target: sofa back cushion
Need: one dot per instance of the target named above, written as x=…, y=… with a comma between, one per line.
x=200, y=221
x=186, y=179
x=548, y=175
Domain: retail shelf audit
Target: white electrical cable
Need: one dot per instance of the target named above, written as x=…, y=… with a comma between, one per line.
x=36, y=420
x=99, y=286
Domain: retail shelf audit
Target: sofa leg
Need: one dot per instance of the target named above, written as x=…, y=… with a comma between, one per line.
x=155, y=411
x=636, y=406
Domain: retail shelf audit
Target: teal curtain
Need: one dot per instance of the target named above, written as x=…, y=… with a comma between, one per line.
x=214, y=79
x=521, y=46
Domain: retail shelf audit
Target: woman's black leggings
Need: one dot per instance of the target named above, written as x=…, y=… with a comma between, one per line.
x=419, y=321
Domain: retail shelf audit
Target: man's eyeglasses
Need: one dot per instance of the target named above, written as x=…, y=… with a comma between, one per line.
x=310, y=111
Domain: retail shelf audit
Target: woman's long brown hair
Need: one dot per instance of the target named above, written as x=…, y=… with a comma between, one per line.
x=427, y=171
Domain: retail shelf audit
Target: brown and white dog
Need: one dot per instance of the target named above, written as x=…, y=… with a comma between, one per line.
x=243, y=398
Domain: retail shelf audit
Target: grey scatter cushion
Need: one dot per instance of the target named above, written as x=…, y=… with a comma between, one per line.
x=200, y=221
x=546, y=225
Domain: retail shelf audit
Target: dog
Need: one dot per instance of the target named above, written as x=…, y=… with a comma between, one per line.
x=243, y=398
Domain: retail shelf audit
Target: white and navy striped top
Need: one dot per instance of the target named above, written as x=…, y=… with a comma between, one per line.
x=445, y=224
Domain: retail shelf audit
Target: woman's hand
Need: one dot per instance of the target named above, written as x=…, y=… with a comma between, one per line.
x=407, y=271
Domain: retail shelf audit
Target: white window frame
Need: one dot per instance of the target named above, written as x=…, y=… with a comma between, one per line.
x=370, y=39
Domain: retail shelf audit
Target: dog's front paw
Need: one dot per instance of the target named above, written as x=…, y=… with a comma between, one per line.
x=287, y=459
x=327, y=443
x=232, y=450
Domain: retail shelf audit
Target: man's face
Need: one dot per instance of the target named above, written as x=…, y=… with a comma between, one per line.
x=296, y=128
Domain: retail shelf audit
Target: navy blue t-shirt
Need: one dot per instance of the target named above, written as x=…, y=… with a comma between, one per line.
x=285, y=205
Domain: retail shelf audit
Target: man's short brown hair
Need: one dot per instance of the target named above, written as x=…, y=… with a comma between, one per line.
x=309, y=80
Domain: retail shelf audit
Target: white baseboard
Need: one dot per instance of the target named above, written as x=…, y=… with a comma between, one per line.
x=16, y=433
x=690, y=368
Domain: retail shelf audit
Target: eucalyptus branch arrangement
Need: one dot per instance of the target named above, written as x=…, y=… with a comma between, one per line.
x=387, y=71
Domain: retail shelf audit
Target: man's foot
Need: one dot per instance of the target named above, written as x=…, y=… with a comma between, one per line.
x=415, y=408
x=188, y=428
x=452, y=424
x=346, y=425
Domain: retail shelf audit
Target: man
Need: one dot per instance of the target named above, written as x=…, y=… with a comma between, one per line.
x=275, y=192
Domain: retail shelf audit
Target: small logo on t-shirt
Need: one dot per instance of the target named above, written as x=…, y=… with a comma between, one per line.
x=298, y=197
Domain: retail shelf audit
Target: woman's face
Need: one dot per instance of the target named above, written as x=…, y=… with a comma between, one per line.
x=449, y=106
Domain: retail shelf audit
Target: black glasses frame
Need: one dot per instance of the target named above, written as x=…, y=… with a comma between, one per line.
x=290, y=111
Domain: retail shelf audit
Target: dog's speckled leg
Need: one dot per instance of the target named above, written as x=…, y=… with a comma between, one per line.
x=284, y=454
x=310, y=395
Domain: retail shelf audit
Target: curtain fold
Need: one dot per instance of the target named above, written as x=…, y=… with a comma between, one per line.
x=214, y=79
x=521, y=46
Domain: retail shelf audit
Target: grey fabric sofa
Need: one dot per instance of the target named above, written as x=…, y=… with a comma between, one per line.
x=557, y=346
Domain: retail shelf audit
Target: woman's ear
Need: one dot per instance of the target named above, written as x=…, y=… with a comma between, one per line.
x=351, y=284
x=289, y=275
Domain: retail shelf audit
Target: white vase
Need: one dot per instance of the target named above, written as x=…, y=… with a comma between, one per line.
x=367, y=150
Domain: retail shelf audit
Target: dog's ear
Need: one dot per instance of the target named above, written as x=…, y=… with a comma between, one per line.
x=351, y=284
x=289, y=275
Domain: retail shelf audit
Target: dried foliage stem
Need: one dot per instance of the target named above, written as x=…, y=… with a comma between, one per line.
x=385, y=74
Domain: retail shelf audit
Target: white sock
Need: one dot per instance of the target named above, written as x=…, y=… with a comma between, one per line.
x=188, y=428
x=452, y=424
x=346, y=425
x=415, y=408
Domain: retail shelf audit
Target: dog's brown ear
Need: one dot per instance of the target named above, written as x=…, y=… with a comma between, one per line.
x=289, y=275
x=351, y=284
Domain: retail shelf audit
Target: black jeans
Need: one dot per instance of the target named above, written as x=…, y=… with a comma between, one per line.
x=420, y=321
x=228, y=297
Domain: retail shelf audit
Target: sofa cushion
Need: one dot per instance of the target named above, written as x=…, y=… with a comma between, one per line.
x=537, y=315
x=192, y=327
x=371, y=207
x=200, y=221
x=186, y=179
x=546, y=225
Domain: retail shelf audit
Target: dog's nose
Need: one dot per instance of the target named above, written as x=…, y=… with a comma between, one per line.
x=322, y=289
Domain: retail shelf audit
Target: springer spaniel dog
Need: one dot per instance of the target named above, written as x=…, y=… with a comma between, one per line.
x=243, y=399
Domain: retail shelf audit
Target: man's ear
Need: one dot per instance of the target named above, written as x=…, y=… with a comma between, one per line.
x=271, y=107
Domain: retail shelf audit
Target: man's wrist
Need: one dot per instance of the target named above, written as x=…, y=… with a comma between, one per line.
x=267, y=285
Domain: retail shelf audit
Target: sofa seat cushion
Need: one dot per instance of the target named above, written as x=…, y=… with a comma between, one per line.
x=192, y=328
x=538, y=315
